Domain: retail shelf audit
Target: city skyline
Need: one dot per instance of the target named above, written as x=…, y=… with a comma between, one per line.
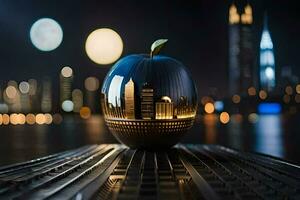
x=144, y=104
x=208, y=40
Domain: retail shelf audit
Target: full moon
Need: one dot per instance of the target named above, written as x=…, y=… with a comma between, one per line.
x=46, y=34
x=104, y=46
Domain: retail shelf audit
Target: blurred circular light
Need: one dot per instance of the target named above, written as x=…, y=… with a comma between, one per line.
x=236, y=98
x=66, y=72
x=46, y=34
x=5, y=119
x=48, y=118
x=251, y=91
x=57, y=118
x=91, y=84
x=30, y=118
x=11, y=92
x=40, y=118
x=253, y=117
x=209, y=108
x=13, y=118
x=67, y=106
x=85, y=112
x=224, y=117
x=24, y=87
x=219, y=105
x=263, y=94
x=289, y=90
x=21, y=119
x=104, y=46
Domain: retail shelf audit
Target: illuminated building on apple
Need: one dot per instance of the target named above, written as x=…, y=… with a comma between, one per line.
x=149, y=101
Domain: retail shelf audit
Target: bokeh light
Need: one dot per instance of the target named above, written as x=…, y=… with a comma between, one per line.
x=85, y=112
x=263, y=94
x=46, y=34
x=11, y=92
x=30, y=118
x=224, y=117
x=236, y=98
x=48, y=118
x=253, y=118
x=57, y=118
x=5, y=119
x=91, y=84
x=24, y=87
x=209, y=108
x=67, y=72
x=67, y=106
x=104, y=46
x=251, y=91
x=40, y=118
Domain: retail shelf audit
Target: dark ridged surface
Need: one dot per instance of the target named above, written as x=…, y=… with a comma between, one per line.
x=183, y=172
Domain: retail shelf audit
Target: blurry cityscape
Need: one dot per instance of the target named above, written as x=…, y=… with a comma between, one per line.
x=259, y=112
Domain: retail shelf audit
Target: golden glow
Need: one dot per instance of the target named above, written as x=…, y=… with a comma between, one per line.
x=236, y=98
x=263, y=94
x=129, y=100
x=1, y=119
x=30, y=118
x=298, y=88
x=286, y=98
x=104, y=46
x=246, y=17
x=48, y=118
x=40, y=118
x=91, y=84
x=85, y=112
x=224, y=117
x=5, y=119
x=234, y=17
x=11, y=92
x=66, y=72
x=289, y=90
x=13, y=118
x=209, y=108
x=251, y=91
x=166, y=99
x=21, y=119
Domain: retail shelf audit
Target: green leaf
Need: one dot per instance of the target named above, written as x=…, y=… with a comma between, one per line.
x=156, y=46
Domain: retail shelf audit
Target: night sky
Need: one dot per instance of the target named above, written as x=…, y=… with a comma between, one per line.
x=196, y=29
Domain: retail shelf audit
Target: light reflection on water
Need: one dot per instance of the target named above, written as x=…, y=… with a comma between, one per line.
x=269, y=135
x=272, y=134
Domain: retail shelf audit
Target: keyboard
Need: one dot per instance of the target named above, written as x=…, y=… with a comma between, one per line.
x=112, y=171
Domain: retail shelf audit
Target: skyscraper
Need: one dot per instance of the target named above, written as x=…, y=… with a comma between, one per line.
x=147, y=107
x=129, y=100
x=242, y=74
x=267, y=61
x=164, y=108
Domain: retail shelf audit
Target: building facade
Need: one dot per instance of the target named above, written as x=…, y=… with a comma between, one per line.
x=147, y=102
x=267, y=60
x=164, y=108
x=129, y=100
x=242, y=73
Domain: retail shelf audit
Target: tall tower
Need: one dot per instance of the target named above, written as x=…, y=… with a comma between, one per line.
x=267, y=61
x=129, y=100
x=242, y=74
x=147, y=107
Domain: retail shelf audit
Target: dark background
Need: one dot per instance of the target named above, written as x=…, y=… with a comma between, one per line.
x=196, y=29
